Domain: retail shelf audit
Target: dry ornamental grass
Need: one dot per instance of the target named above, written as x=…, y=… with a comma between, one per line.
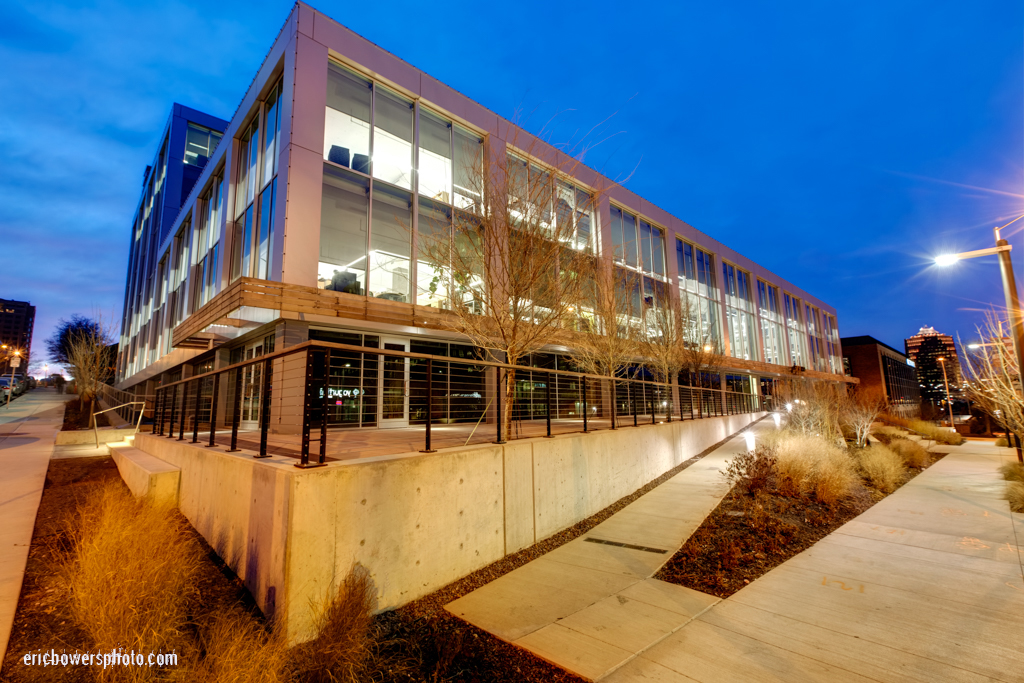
x=913, y=453
x=882, y=467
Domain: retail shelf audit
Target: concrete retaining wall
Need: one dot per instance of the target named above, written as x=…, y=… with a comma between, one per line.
x=80, y=437
x=416, y=522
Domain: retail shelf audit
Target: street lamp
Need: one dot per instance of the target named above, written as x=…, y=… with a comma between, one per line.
x=945, y=379
x=1002, y=249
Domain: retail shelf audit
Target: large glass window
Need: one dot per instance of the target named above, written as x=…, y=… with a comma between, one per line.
x=469, y=177
x=698, y=292
x=391, y=158
x=637, y=243
x=795, y=329
x=771, y=323
x=199, y=145
x=268, y=183
x=389, y=243
x=435, y=176
x=344, y=212
x=434, y=235
x=738, y=309
x=347, y=126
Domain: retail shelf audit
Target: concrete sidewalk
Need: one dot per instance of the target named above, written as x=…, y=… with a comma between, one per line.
x=590, y=605
x=27, y=430
x=927, y=585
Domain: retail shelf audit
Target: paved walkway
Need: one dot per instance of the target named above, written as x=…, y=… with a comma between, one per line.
x=27, y=430
x=590, y=605
x=927, y=585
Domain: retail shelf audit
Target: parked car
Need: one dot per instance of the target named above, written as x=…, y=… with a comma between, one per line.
x=20, y=385
x=5, y=389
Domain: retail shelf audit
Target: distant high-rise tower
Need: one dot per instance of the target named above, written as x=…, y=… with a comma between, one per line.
x=16, y=321
x=924, y=349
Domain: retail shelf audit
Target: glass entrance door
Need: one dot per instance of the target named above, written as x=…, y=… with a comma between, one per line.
x=252, y=387
x=394, y=393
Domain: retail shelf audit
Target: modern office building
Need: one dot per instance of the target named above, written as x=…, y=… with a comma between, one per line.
x=305, y=221
x=881, y=368
x=925, y=349
x=16, y=321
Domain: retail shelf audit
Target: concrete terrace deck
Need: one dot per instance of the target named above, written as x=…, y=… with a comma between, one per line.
x=368, y=442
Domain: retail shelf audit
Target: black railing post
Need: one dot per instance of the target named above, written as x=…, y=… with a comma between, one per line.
x=184, y=409
x=236, y=411
x=654, y=407
x=195, y=410
x=499, y=398
x=668, y=401
x=632, y=402
x=213, y=410
x=162, y=403
x=547, y=401
x=615, y=402
x=322, y=460
x=265, y=409
x=430, y=390
x=307, y=409
x=174, y=403
x=584, y=404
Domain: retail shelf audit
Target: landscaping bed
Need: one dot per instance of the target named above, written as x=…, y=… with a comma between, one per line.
x=771, y=515
x=78, y=416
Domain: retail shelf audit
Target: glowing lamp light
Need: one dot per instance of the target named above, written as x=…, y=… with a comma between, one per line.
x=946, y=259
x=974, y=346
x=707, y=348
x=749, y=438
x=778, y=419
x=789, y=407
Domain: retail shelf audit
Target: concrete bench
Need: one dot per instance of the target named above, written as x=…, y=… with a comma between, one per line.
x=146, y=476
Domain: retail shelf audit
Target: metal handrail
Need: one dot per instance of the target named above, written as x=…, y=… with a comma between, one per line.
x=96, y=430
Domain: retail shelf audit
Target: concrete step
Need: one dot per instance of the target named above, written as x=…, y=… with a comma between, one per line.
x=147, y=476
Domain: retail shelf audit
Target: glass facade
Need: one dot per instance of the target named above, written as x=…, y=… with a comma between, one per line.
x=376, y=197
x=255, y=192
x=199, y=144
x=698, y=292
x=637, y=243
x=773, y=340
x=795, y=330
x=739, y=308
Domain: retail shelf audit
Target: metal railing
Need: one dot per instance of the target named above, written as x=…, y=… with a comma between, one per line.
x=95, y=428
x=125, y=401
x=319, y=391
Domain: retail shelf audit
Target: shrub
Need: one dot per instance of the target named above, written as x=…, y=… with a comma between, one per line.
x=913, y=453
x=882, y=467
x=752, y=471
x=885, y=434
x=132, y=576
x=341, y=650
x=810, y=464
x=935, y=433
x=1013, y=471
x=833, y=477
x=1015, y=494
x=236, y=649
x=1002, y=442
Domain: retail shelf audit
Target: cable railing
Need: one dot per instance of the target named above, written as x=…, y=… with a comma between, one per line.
x=316, y=400
x=126, y=403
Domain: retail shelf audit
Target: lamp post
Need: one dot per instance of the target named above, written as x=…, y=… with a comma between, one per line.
x=1002, y=249
x=945, y=380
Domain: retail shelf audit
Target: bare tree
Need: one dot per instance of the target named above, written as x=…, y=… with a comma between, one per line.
x=812, y=407
x=508, y=265
x=609, y=323
x=701, y=355
x=992, y=376
x=88, y=358
x=858, y=409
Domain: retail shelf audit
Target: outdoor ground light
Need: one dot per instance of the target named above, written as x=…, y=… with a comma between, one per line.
x=778, y=419
x=749, y=437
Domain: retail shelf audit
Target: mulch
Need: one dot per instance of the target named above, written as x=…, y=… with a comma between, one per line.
x=79, y=416
x=747, y=536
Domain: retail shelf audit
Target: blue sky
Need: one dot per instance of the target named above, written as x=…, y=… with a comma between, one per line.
x=839, y=145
